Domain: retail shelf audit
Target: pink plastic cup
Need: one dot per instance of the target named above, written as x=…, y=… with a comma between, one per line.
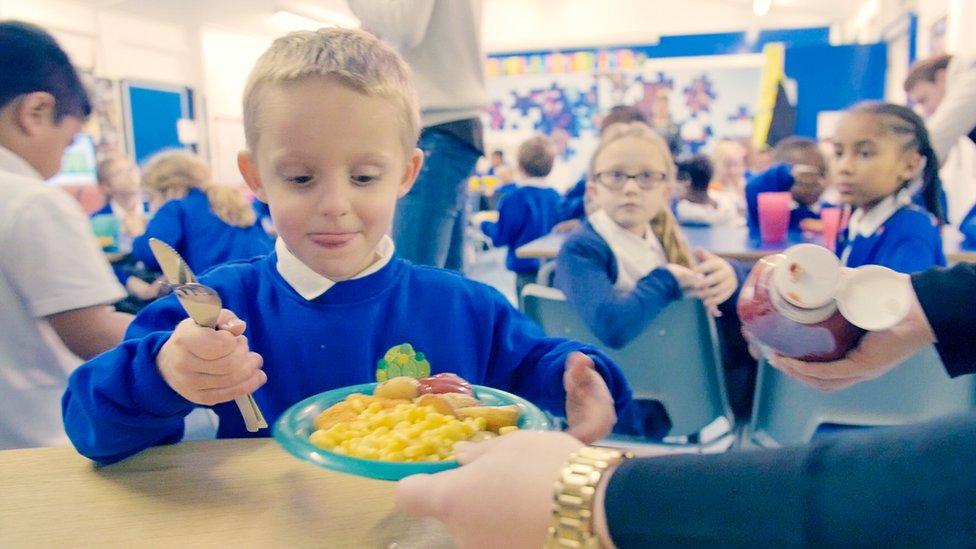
x=830, y=217
x=774, y=217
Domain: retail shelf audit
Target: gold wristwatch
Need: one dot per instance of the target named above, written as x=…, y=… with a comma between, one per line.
x=571, y=524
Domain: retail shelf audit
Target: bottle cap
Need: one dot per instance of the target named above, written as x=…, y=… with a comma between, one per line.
x=808, y=276
x=873, y=297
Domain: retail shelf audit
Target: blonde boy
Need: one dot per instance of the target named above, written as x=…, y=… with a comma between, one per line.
x=331, y=123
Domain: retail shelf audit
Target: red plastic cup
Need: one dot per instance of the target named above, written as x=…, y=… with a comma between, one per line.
x=830, y=218
x=774, y=216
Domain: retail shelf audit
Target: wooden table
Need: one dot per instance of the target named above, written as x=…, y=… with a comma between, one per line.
x=226, y=493
x=736, y=243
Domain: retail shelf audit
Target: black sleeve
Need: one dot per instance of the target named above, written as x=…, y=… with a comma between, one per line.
x=948, y=297
x=898, y=486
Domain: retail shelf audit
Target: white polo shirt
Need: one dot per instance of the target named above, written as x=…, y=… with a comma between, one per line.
x=50, y=263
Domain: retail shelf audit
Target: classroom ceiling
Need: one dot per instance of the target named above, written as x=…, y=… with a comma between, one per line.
x=252, y=16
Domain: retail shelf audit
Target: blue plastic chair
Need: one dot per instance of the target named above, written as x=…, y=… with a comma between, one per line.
x=787, y=412
x=675, y=360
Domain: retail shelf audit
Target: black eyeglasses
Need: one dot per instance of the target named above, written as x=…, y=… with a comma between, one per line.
x=616, y=180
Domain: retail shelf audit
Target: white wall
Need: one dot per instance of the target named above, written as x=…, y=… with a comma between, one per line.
x=929, y=11
x=116, y=45
x=543, y=24
x=959, y=170
x=227, y=60
x=960, y=35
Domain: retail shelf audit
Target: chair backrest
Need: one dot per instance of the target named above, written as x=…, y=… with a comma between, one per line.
x=675, y=360
x=786, y=411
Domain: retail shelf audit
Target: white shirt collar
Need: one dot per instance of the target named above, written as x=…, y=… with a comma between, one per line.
x=815, y=207
x=867, y=223
x=13, y=163
x=308, y=283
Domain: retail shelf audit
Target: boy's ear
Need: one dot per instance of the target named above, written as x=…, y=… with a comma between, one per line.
x=414, y=163
x=249, y=170
x=34, y=111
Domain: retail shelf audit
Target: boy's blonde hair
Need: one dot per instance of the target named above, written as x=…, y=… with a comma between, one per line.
x=353, y=57
x=663, y=225
x=174, y=173
x=536, y=156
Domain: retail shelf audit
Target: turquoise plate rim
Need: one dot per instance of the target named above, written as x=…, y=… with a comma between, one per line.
x=291, y=431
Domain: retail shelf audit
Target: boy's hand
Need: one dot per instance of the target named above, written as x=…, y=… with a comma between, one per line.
x=589, y=405
x=207, y=366
x=718, y=281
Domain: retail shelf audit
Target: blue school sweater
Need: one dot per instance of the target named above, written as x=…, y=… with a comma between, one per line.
x=106, y=209
x=573, y=205
x=118, y=404
x=968, y=227
x=776, y=179
x=907, y=242
x=586, y=270
x=195, y=231
x=524, y=214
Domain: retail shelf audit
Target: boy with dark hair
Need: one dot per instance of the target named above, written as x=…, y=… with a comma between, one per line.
x=801, y=170
x=698, y=207
x=55, y=284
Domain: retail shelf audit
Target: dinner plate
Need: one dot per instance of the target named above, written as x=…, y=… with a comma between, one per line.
x=294, y=426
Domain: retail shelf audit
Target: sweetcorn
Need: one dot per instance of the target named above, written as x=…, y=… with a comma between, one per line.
x=405, y=432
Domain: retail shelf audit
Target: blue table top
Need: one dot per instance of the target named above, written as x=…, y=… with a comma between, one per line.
x=737, y=243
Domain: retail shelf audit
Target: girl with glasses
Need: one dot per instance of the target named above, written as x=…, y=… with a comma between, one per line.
x=630, y=260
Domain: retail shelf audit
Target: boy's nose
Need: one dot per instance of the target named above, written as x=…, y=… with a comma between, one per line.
x=333, y=201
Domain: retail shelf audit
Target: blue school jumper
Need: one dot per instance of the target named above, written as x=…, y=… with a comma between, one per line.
x=118, y=404
x=525, y=214
x=907, y=242
x=778, y=178
x=573, y=205
x=586, y=270
x=968, y=227
x=195, y=231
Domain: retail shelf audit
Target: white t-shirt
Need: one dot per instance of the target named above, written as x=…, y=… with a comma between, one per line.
x=50, y=263
x=723, y=214
x=441, y=41
x=955, y=116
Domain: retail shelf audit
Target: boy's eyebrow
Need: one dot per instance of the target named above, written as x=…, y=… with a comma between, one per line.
x=374, y=156
x=285, y=156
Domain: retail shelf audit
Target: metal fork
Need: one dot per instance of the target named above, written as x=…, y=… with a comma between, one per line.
x=203, y=304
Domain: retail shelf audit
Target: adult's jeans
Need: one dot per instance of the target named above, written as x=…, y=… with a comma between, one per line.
x=428, y=227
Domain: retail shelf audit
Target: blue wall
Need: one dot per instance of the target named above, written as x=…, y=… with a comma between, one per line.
x=832, y=78
x=153, y=114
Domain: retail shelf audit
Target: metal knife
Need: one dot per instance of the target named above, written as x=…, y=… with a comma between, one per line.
x=202, y=304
